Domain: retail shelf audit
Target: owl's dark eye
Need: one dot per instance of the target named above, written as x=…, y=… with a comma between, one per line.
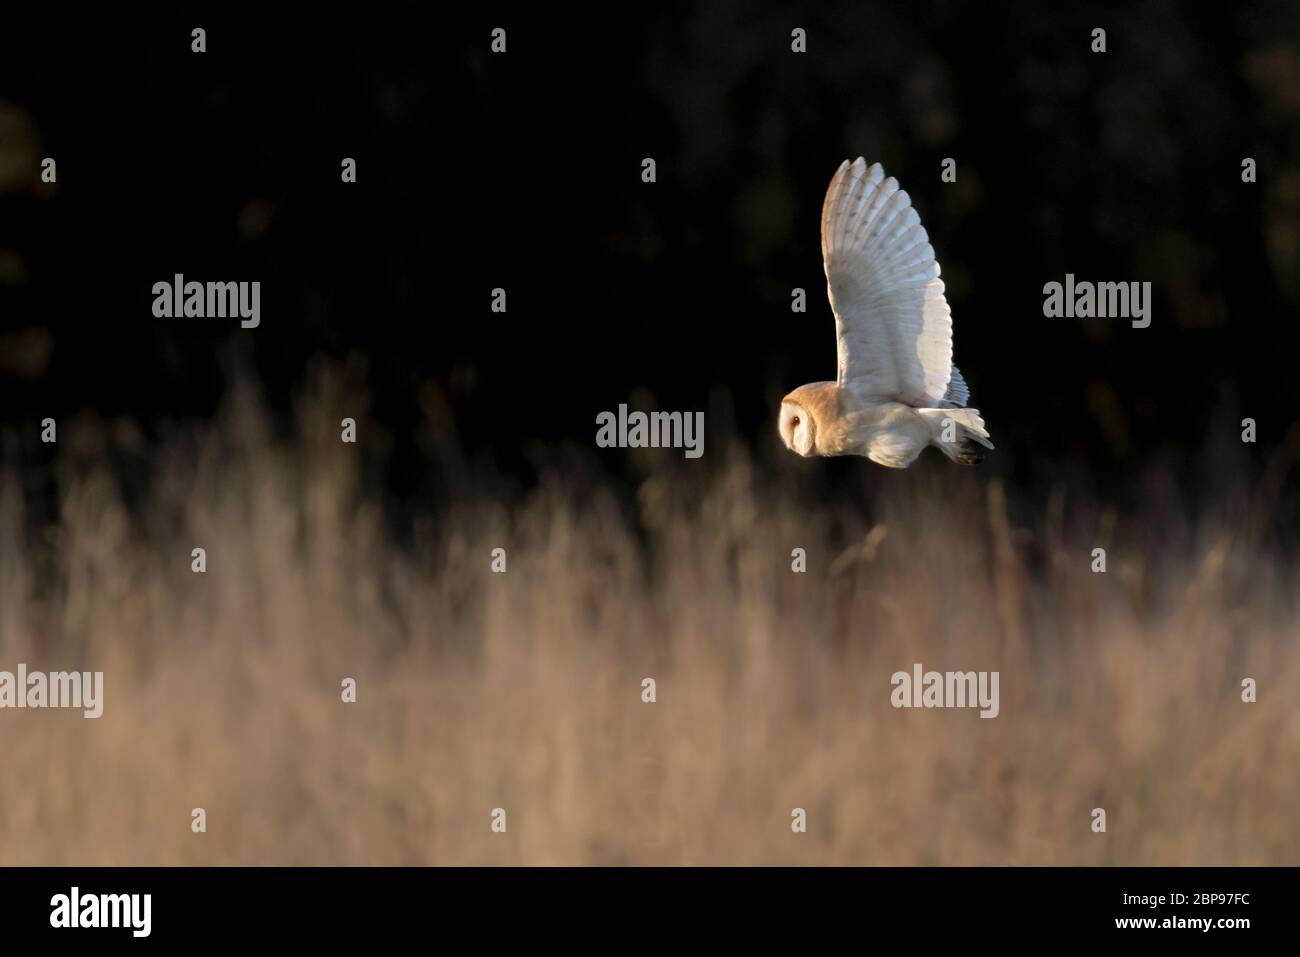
x=795, y=420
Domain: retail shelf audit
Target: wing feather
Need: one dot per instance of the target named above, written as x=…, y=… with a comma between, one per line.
x=892, y=323
x=958, y=392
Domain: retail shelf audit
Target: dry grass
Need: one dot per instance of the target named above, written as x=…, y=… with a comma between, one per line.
x=522, y=690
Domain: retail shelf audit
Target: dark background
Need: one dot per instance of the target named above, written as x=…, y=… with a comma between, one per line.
x=522, y=171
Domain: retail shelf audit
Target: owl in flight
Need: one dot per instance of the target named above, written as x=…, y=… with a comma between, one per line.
x=896, y=390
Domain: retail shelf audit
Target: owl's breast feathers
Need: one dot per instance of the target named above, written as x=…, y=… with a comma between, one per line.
x=889, y=433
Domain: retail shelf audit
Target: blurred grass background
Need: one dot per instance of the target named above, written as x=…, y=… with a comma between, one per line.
x=522, y=690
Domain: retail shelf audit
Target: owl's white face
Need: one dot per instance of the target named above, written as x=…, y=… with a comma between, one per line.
x=797, y=428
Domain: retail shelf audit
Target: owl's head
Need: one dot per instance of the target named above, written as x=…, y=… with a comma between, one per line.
x=798, y=430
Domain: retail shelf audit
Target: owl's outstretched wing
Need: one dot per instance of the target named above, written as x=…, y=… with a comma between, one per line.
x=892, y=323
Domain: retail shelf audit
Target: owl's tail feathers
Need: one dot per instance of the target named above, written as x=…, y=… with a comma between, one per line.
x=958, y=433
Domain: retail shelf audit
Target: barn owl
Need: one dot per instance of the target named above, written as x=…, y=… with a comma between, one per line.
x=896, y=390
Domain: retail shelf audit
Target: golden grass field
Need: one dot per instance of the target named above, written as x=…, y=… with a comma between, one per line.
x=522, y=690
